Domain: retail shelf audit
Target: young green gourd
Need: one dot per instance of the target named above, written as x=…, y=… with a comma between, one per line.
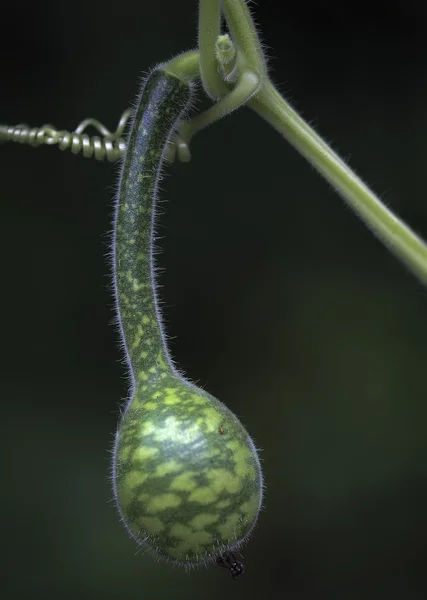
x=187, y=477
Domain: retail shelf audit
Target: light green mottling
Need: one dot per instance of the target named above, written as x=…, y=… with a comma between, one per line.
x=149, y=405
x=162, y=502
x=185, y=482
x=203, y=495
x=212, y=419
x=170, y=466
x=223, y=504
x=187, y=477
x=251, y=505
x=172, y=399
x=153, y=524
x=148, y=428
x=180, y=531
x=230, y=525
x=132, y=481
x=201, y=520
x=143, y=453
x=196, y=541
x=224, y=480
x=240, y=455
x=135, y=478
x=200, y=480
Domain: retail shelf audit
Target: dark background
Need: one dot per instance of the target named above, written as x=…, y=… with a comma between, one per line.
x=279, y=300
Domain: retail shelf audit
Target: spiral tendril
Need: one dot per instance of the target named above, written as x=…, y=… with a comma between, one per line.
x=110, y=146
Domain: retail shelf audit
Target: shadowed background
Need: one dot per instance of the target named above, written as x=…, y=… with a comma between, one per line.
x=278, y=300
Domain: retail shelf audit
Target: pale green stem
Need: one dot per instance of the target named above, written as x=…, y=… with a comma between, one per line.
x=184, y=66
x=209, y=31
x=246, y=87
x=245, y=35
x=270, y=105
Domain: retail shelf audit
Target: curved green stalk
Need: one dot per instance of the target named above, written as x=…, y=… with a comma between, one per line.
x=269, y=104
x=209, y=30
x=184, y=66
x=392, y=231
x=242, y=80
x=245, y=36
x=246, y=87
x=247, y=73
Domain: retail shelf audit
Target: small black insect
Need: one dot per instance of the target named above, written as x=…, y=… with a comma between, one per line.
x=229, y=561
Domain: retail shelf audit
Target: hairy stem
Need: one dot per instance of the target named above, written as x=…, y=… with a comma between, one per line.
x=397, y=236
x=245, y=35
x=185, y=66
x=209, y=30
x=245, y=88
x=162, y=100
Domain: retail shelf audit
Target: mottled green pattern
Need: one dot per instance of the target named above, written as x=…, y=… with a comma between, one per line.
x=186, y=474
x=163, y=99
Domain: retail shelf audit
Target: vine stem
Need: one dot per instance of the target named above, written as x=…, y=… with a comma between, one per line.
x=389, y=228
x=209, y=30
x=270, y=105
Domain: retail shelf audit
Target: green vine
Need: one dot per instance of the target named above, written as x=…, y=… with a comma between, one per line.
x=233, y=73
x=187, y=477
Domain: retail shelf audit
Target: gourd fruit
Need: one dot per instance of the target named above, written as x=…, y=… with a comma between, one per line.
x=187, y=477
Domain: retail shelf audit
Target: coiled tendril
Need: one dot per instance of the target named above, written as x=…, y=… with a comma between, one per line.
x=110, y=146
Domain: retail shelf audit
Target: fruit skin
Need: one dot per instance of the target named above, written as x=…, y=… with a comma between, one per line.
x=188, y=479
x=163, y=99
x=186, y=475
